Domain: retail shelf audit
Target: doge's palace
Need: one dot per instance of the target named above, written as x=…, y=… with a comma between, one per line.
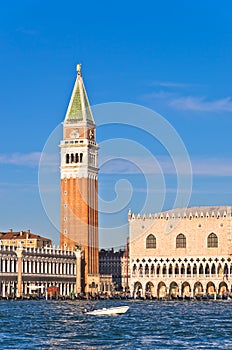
x=181, y=252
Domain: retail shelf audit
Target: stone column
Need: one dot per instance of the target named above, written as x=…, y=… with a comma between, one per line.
x=8, y=265
x=3, y=289
x=12, y=266
x=8, y=288
x=19, y=252
x=30, y=270
x=3, y=265
x=78, y=269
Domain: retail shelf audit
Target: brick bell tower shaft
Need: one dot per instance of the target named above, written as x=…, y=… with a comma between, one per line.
x=79, y=183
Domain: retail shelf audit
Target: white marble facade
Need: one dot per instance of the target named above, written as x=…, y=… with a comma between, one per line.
x=182, y=252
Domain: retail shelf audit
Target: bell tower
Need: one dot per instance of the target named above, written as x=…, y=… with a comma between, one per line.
x=79, y=184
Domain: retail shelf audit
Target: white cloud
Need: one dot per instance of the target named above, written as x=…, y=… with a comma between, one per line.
x=210, y=166
x=31, y=159
x=201, y=104
x=169, y=93
x=137, y=165
x=24, y=159
x=170, y=84
x=160, y=95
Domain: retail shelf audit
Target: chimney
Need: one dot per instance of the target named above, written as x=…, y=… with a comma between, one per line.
x=28, y=234
x=11, y=230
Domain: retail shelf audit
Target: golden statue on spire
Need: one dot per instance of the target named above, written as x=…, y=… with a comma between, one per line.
x=79, y=68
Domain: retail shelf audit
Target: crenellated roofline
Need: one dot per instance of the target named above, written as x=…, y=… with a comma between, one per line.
x=190, y=213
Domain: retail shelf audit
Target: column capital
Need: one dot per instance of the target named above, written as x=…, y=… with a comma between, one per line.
x=19, y=252
x=77, y=251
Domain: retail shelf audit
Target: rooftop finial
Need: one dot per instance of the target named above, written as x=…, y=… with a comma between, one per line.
x=79, y=68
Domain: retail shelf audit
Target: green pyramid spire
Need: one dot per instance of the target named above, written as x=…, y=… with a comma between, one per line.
x=79, y=107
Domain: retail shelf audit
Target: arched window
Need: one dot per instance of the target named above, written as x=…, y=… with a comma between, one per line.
x=212, y=241
x=151, y=242
x=194, y=269
x=67, y=158
x=181, y=241
x=164, y=273
x=201, y=269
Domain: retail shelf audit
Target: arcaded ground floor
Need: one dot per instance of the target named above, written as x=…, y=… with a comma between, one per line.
x=181, y=276
x=8, y=287
x=167, y=287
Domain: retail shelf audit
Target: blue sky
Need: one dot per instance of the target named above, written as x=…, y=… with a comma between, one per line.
x=172, y=57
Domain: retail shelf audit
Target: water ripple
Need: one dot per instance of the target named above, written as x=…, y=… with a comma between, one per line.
x=147, y=325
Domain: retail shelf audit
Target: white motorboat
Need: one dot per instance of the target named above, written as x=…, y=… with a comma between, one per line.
x=107, y=311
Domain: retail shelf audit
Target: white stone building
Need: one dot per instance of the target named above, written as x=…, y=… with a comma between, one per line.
x=184, y=252
x=26, y=270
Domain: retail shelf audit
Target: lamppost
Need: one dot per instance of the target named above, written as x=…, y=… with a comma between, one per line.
x=19, y=252
x=77, y=252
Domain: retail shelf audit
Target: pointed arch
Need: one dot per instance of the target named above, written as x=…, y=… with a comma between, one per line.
x=226, y=269
x=164, y=270
x=161, y=290
x=176, y=269
x=137, y=287
x=173, y=289
x=207, y=269
x=219, y=269
x=149, y=287
x=213, y=269
x=186, y=289
x=146, y=270
x=150, y=242
x=198, y=288
x=210, y=288
x=180, y=241
x=212, y=240
x=170, y=270
x=223, y=288
x=201, y=270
